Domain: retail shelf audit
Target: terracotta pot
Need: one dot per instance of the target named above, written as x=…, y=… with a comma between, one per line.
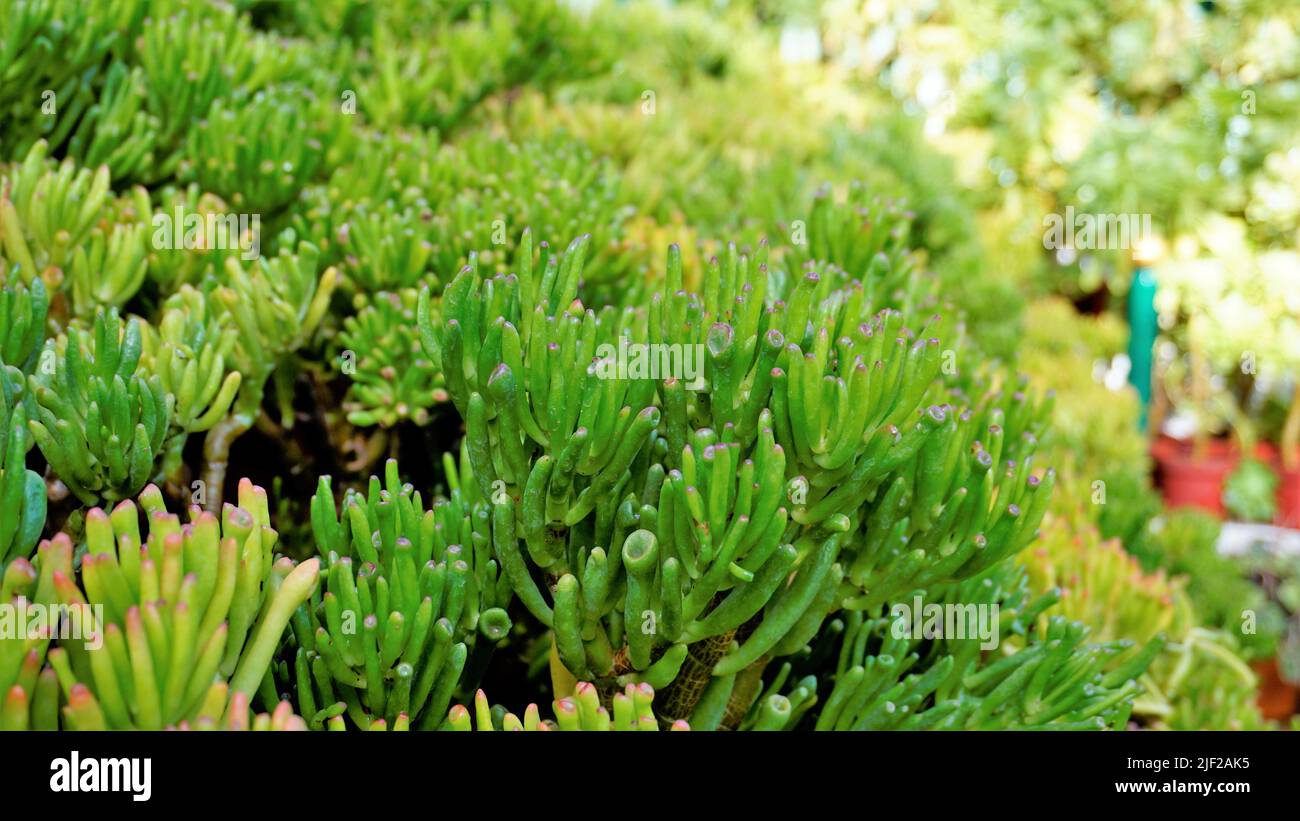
x=1186, y=481
x=1276, y=698
x=1288, y=498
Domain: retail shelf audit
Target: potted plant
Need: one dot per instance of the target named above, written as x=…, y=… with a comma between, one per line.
x=1278, y=576
x=1228, y=340
x=1288, y=492
x=1280, y=381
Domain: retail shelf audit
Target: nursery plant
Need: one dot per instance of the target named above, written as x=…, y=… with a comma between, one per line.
x=1221, y=587
x=1233, y=348
x=1277, y=576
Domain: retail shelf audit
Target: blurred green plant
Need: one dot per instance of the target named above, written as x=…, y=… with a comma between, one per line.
x=1219, y=586
x=1250, y=492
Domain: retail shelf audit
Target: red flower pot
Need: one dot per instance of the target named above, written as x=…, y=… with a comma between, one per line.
x=1288, y=486
x=1276, y=698
x=1288, y=498
x=1186, y=481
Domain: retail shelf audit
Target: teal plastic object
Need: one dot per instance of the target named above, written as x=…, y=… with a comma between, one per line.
x=1142, y=335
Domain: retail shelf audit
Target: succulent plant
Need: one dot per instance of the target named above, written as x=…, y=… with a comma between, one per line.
x=1056, y=682
x=116, y=130
x=778, y=706
x=1206, y=685
x=46, y=214
x=22, y=491
x=33, y=702
x=465, y=56
x=232, y=713
x=27, y=589
x=187, y=244
x=1220, y=587
x=392, y=377
x=57, y=47
x=1250, y=493
x=258, y=176
x=582, y=711
x=195, y=57
x=109, y=267
x=173, y=609
x=408, y=595
x=275, y=305
x=1103, y=585
x=189, y=352
x=652, y=578
x=23, y=311
x=868, y=239
x=101, y=419
x=691, y=484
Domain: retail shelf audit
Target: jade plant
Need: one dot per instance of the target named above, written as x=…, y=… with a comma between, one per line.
x=409, y=599
x=46, y=214
x=110, y=266
x=234, y=714
x=631, y=710
x=184, y=242
x=22, y=491
x=23, y=311
x=101, y=418
x=392, y=377
x=275, y=305
x=89, y=102
x=190, y=352
x=1057, y=680
x=117, y=130
x=404, y=211
x=635, y=496
x=193, y=58
x=28, y=690
x=652, y=477
x=259, y=176
x=783, y=703
x=173, y=609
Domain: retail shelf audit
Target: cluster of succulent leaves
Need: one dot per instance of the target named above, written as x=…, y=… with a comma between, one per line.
x=862, y=475
x=171, y=627
x=631, y=711
x=723, y=527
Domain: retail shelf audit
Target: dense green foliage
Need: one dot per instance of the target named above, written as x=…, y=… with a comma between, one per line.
x=570, y=384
